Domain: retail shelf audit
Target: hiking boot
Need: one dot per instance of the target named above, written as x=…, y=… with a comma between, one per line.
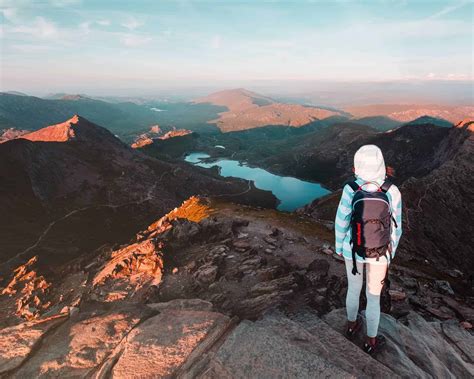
x=375, y=348
x=351, y=332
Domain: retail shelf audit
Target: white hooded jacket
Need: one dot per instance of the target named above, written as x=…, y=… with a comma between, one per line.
x=370, y=173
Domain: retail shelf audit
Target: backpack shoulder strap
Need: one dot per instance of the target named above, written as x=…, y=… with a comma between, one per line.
x=352, y=184
x=386, y=185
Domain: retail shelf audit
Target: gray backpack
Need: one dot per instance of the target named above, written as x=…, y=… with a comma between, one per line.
x=370, y=222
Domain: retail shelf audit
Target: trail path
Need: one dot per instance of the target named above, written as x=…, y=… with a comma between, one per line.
x=148, y=197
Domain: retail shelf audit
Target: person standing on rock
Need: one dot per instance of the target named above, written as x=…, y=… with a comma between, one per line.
x=368, y=228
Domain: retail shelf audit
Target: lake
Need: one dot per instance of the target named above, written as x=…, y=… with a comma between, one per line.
x=291, y=192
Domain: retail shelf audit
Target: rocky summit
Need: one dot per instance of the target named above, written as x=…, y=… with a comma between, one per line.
x=219, y=290
x=120, y=262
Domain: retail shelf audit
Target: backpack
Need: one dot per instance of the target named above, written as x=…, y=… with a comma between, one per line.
x=370, y=222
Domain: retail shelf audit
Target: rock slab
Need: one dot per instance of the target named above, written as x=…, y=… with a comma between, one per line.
x=160, y=345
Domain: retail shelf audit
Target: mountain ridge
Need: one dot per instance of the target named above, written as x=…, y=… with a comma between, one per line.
x=88, y=181
x=247, y=110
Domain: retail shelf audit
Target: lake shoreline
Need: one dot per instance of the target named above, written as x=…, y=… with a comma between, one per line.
x=292, y=193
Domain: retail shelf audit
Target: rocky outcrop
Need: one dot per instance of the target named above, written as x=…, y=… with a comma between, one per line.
x=129, y=341
x=141, y=261
x=18, y=343
x=217, y=290
x=146, y=138
x=11, y=133
x=55, y=133
x=28, y=291
x=155, y=137
x=416, y=347
x=82, y=344
x=279, y=347
x=141, y=141
x=175, y=133
x=159, y=346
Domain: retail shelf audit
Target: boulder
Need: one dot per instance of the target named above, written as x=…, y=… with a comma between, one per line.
x=443, y=286
x=397, y=295
x=206, y=274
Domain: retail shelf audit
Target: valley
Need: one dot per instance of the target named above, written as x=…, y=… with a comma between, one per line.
x=208, y=241
x=291, y=193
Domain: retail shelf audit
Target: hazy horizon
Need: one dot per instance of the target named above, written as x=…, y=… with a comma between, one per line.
x=123, y=49
x=325, y=93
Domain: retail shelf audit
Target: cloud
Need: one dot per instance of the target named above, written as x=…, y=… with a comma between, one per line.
x=39, y=28
x=449, y=9
x=104, y=22
x=132, y=23
x=134, y=40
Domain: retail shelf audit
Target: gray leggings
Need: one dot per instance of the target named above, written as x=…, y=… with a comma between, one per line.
x=375, y=274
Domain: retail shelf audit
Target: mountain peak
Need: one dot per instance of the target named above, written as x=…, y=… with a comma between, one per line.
x=55, y=133
x=248, y=110
x=75, y=128
x=237, y=99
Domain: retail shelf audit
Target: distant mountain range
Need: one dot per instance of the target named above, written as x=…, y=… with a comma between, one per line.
x=125, y=119
x=32, y=113
x=409, y=112
x=247, y=110
x=224, y=111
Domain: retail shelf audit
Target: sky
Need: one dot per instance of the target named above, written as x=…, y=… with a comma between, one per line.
x=94, y=45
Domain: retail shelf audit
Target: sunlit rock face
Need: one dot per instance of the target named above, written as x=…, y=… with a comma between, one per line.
x=128, y=273
x=156, y=134
x=28, y=290
x=213, y=289
x=55, y=133
x=175, y=133
x=141, y=141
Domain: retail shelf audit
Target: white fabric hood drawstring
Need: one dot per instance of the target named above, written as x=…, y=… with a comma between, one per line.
x=369, y=164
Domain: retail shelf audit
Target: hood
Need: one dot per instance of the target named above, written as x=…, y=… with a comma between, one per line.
x=369, y=164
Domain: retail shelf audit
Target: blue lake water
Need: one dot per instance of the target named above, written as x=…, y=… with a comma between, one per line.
x=291, y=192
